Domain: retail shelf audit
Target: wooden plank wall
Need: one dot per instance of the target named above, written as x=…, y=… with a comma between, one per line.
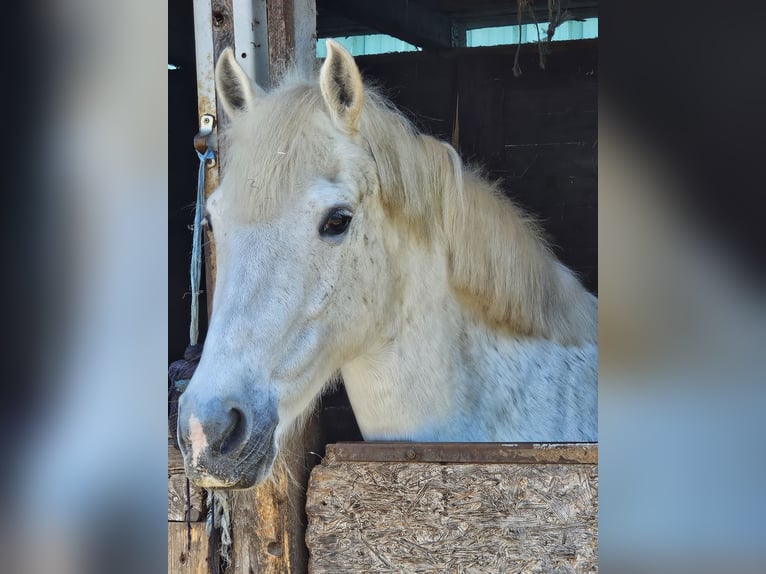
x=432, y=508
x=188, y=544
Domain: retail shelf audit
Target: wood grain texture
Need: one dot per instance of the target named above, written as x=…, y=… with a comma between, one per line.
x=469, y=518
x=183, y=560
x=223, y=37
x=281, y=33
x=177, y=490
x=177, y=500
x=268, y=522
x=475, y=452
x=175, y=458
x=261, y=527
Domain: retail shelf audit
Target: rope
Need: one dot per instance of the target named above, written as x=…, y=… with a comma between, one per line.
x=218, y=516
x=196, y=259
x=211, y=536
x=181, y=371
x=195, y=272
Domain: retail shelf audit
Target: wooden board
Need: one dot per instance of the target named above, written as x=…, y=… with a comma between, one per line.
x=177, y=497
x=177, y=490
x=470, y=517
x=474, y=452
x=183, y=559
x=268, y=522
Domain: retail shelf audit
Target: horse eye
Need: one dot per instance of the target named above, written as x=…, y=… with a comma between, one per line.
x=206, y=223
x=337, y=223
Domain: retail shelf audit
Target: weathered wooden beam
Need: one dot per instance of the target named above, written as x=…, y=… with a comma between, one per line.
x=464, y=452
x=183, y=496
x=175, y=458
x=268, y=522
x=281, y=29
x=291, y=36
x=187, y=556
x=404, y=19
x=178, y=494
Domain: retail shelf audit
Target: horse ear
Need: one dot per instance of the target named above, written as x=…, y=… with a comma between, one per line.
x=341, y=85
x=234, y=88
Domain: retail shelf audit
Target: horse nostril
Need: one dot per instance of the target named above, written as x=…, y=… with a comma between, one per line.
x=235, y=433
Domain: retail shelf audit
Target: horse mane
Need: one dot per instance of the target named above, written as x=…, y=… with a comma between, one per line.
x=500, y=266
x=499, y=262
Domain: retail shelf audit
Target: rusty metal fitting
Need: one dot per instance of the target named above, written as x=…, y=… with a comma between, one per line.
x=202, y=139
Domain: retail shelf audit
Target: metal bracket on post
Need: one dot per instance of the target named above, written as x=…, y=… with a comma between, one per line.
x=204, y=138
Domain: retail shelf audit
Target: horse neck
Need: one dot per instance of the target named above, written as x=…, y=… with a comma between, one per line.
x=412, y=367
x=438, y=367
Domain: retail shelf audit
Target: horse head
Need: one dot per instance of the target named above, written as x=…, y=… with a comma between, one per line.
x=348, y=242
x=299, y=245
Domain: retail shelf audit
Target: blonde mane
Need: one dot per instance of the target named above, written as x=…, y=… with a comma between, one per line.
x=499, y=264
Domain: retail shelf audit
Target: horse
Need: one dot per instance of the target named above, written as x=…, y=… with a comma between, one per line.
x=350, y=245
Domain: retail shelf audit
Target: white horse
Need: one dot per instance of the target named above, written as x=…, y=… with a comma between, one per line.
x=348, y=243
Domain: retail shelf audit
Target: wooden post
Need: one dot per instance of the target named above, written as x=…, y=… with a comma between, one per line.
x=268, y=522
x=291, y=36
x=192, y=560
x=187, y=542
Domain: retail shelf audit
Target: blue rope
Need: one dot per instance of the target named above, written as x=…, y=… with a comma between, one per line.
x=196, y=258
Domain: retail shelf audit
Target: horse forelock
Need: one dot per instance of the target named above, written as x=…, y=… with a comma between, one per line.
x=272, y=149
x=499, y=263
